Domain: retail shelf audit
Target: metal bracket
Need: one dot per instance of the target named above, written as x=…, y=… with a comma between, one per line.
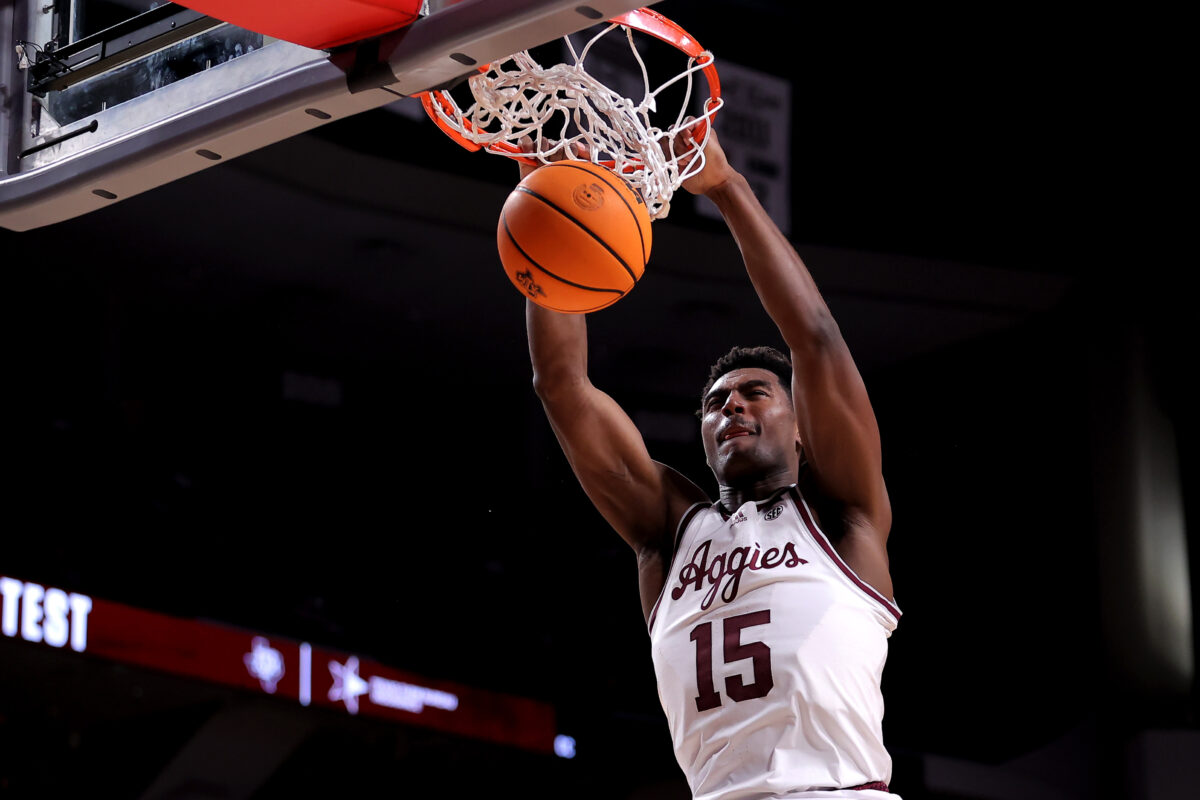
x=56, y=69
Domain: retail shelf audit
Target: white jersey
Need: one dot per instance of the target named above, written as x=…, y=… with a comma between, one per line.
x=769, y=652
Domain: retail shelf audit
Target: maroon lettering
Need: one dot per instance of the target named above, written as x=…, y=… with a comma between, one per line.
x=723, y=573
x=717, y=569
x=708, y=697
x=693, y=572
x=733, y=650
x=758, y=652
x=735, y=572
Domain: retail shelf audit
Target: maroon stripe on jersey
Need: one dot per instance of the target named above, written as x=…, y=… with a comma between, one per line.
x=820, y=538
x=878, y=786
x=688, y=516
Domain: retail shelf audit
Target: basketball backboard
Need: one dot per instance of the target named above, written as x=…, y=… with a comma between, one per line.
x=102, y=100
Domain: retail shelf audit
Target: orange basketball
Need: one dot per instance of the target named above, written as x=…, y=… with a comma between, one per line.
x=574, y=237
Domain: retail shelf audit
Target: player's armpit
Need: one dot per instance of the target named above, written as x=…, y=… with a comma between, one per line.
x=640, y=498
x=864, y=551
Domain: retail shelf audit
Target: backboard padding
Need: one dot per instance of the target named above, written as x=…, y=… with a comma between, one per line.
x=319, y=24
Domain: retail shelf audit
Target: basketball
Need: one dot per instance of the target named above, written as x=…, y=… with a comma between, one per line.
x=574, y=237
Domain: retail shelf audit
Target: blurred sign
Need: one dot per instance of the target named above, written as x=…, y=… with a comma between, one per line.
x=38, y=614
x=273, y=665
x=755, y=128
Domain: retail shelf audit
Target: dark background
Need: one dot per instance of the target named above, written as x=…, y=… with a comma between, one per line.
x=291, y=393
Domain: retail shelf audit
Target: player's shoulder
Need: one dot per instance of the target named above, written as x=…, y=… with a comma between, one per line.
x=681, y=497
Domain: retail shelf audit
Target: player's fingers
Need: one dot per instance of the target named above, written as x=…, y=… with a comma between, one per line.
x=687, y=126
x=525, y=165
x=684, y=144
x=559, y=150
x=694, y=131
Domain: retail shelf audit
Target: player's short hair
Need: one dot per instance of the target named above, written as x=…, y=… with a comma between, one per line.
x=763, y=357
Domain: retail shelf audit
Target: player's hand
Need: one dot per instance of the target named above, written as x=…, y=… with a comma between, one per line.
x=526, y=146
x=716, y=171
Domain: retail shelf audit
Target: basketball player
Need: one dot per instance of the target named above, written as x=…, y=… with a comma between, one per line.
x=768, y=611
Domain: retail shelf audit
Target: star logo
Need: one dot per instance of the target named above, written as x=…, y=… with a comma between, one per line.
x=347, y=686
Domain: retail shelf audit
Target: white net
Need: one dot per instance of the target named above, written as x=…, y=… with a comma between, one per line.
x=562, y=109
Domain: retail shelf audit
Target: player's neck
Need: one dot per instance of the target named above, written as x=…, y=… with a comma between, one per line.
x=734, y=495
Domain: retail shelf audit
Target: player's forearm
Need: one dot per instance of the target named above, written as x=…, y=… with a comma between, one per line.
x=557, y=347
x=784, y=285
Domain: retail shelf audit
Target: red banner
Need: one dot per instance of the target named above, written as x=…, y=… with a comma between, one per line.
x=256, y=662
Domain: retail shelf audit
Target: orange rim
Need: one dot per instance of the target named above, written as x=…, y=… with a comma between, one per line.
x=642, y=19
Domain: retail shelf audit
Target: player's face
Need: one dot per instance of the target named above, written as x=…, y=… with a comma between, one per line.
x=749, y=427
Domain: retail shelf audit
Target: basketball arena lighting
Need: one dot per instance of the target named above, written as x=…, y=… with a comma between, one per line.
x=35, y=615
x=77, y=134
x=564, y=746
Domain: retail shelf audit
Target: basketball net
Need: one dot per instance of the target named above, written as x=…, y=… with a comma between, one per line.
x=562, y=108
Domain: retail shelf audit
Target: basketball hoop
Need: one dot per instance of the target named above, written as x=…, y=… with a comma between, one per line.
x=562, y=106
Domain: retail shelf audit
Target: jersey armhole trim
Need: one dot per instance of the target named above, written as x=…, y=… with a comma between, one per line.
x=823, y=541
x=684, y=521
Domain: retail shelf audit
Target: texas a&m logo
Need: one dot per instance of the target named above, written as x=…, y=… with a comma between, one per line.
x=723, y=573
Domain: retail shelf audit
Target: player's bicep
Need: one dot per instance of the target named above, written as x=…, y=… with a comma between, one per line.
x=839, y=430
x=631, y=490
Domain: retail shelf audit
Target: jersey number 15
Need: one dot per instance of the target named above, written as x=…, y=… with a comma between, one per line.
x=734, y=650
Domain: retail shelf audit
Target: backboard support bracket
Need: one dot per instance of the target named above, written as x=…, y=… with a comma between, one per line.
x=57, y=69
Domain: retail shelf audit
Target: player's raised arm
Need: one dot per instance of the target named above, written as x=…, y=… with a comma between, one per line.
x=836, y=422
x=642, y=499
